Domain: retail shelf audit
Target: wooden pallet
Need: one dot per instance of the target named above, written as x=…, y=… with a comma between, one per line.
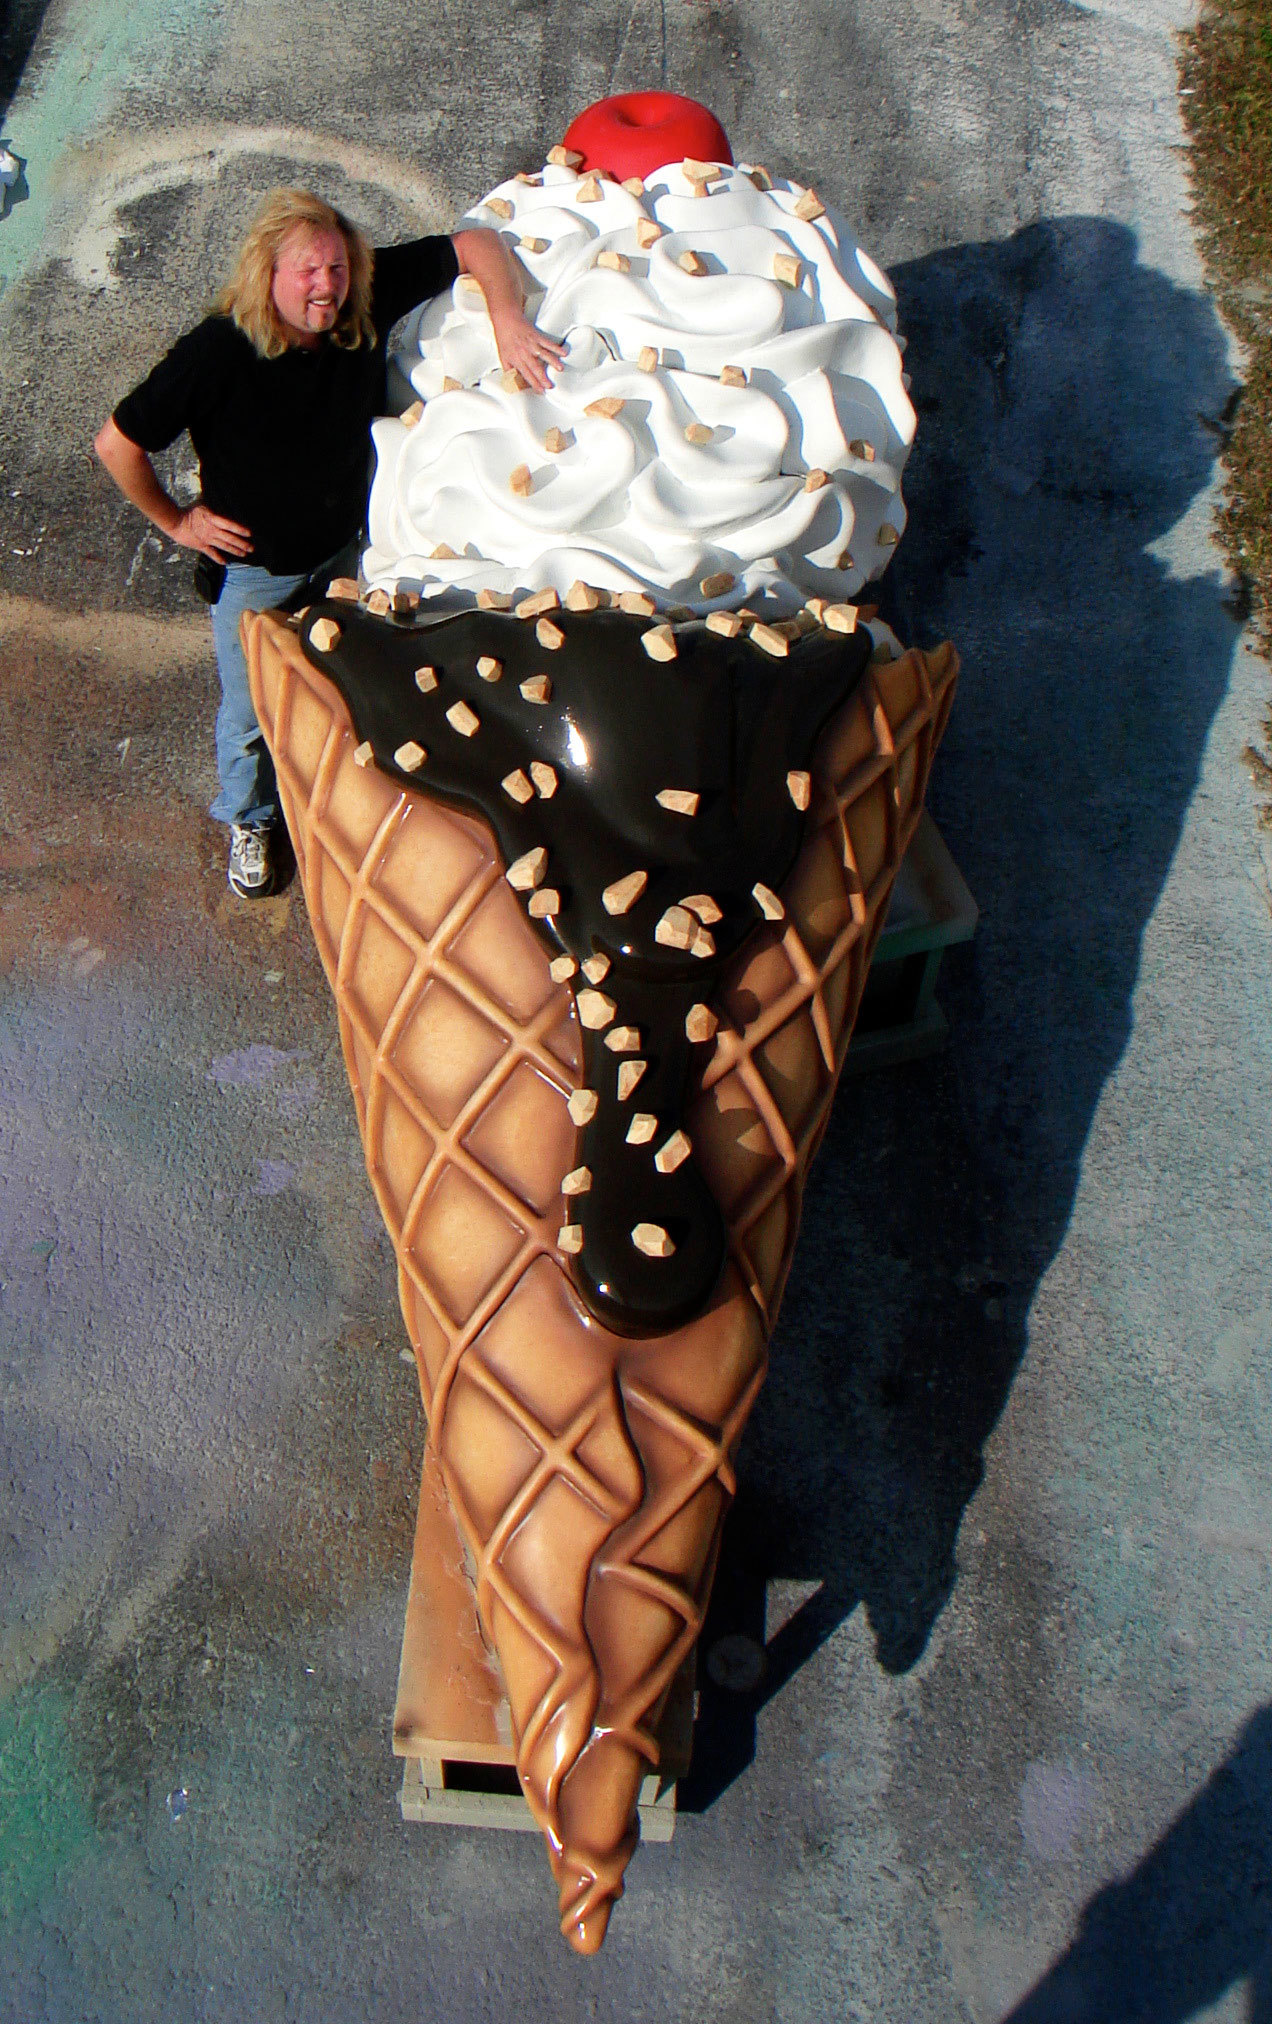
x=451, y=1721
x=931, y=909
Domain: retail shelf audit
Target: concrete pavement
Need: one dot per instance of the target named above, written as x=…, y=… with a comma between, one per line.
x=1006, y=1512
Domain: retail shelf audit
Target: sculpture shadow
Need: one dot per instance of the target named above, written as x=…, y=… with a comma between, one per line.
x=1191, y=1920
x=1070, y=404
x=18, y=30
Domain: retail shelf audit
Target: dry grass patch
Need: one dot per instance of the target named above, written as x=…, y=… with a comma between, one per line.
x=1226, y=82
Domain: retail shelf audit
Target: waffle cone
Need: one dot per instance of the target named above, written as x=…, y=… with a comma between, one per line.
x=589, y=1473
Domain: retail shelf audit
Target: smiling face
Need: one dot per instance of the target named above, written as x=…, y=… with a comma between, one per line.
x=311, y=282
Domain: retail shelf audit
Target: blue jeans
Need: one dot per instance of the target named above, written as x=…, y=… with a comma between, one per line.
x=243, y=764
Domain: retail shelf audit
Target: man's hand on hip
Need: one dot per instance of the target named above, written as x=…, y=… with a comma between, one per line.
x=212, y=535
x=192, y=527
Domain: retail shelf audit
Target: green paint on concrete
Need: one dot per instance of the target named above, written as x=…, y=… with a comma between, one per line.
x=44, y=1821
x=101, y=50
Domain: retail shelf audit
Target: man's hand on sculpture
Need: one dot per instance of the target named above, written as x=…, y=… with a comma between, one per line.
x=525, y=349
x=522, y=348
x=212, y=534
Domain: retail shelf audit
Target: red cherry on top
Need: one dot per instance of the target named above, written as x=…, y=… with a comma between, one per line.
x=640, y=131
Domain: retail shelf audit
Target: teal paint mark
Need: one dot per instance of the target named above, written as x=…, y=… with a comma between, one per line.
x=44, y=1821
x=101, y=50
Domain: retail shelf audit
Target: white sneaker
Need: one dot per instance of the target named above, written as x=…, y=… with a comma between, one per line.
x=251, y=871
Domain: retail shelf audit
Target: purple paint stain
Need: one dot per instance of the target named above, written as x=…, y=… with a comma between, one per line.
x=1054, y=1802
x=294, y=1102
x=274, y=1176
x=250, y=1068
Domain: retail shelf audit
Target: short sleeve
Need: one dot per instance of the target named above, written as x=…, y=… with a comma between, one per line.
x=410, y=274
x=179, y=390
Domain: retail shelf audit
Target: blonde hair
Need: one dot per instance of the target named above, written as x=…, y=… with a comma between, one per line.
x=248, y=295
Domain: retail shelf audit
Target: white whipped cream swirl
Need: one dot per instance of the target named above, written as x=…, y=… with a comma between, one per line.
x=789, y=484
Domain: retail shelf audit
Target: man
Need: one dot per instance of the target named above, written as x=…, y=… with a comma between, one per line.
x=278, y=387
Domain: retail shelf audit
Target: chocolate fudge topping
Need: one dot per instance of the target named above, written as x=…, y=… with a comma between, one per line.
x=568, y=734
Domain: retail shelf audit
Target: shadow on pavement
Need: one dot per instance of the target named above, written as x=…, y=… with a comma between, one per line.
x=1194, y=1918
x=1067, y=401
x=18, y=29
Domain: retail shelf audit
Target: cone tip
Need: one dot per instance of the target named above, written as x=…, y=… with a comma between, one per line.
x=586, y=1931
x=588, y=1896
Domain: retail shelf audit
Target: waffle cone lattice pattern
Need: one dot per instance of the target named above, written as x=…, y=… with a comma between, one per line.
x=589, y=1473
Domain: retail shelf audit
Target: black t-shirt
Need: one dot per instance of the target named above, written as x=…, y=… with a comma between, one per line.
x=284, y=443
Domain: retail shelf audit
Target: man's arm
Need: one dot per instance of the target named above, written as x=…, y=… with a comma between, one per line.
x=192, y=527
x=522, y=348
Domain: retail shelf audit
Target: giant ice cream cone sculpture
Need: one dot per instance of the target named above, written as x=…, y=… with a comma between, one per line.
x=590, y=1469
x=596, y=873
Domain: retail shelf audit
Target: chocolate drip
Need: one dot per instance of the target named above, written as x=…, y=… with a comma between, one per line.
x=723, y=721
